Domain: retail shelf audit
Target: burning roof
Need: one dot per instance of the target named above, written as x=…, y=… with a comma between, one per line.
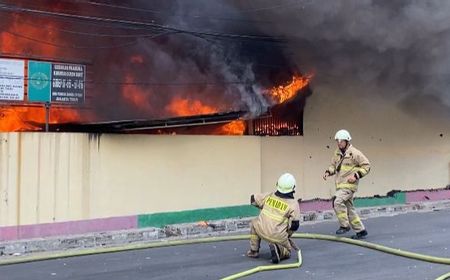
x=146, y=125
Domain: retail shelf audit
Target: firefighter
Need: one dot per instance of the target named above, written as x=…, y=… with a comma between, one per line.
x=348, y=165
x=277, y=221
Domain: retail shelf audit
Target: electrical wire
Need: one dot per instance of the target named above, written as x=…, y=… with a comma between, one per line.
x=91, y=34
x=159, y=12
x=138, y=23
x=134, y=42
x=140, y=83
x=280, y=6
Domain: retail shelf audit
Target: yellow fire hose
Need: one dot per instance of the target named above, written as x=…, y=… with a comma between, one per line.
x=261, y=268
x=381, y=248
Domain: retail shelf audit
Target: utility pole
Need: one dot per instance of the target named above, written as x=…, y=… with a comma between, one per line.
x=47, y=115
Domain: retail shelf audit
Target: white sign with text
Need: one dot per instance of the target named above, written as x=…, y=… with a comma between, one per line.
x=12, y=79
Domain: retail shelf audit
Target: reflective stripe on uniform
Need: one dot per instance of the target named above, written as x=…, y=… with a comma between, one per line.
x=273, y=216
x=363, y=171
x=355, y=221
x=342, y=215
x=254, y=237
x=346, y=186
x=347, y=167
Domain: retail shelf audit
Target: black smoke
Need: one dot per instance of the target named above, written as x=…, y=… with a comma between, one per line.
x=209, y=51
x=396, y=49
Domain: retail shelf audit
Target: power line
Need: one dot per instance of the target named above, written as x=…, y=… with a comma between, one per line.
x=138, y=83
x=213, y=17
x=68, y=46
x=280, y=6
x=209, y=17
x=79, y=17
x=22, y=56
x=137, y=23
x=134, y=42
x=159, y=84
x=96, y=24
x=93, y=34
x=77, y=60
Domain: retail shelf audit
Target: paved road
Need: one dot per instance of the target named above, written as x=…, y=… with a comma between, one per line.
x=427, y=233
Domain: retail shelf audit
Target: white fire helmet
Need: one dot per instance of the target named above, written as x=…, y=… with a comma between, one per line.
x=343, y=135
x=286, y=183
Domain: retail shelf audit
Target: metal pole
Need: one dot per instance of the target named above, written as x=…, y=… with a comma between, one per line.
x=47, y=115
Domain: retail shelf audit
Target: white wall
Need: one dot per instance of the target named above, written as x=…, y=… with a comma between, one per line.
x=405, y=148
x=59, y=176
x=62, y=176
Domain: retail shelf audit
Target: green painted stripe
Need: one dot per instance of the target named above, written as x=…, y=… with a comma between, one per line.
x=398, y=198
x=190, y=216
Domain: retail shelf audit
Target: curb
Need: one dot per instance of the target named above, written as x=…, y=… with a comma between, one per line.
x=11, y=249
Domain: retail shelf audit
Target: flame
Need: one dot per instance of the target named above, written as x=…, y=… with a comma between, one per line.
x=281, y=93
x=135, y=95
x=13, y=43
x=12, y=119
x=236, y=127
x=278, y=128
x=63, y=115
x=186, y=107
x=139, y=97
x=29, y=118
x=233, y=128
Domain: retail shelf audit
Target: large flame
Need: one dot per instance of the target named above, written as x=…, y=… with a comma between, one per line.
x=12, y=119
x=233, y=128
x=186, y=107
x=12, y=42
x=28, y=118
x=282, y=93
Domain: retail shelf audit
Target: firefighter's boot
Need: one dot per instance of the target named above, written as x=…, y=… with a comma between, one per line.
x=275, y=252
x=342, y=230
x=252, y=254
x=360, y=235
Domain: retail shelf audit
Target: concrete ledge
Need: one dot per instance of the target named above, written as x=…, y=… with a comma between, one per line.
x=65, y=228
x=163, y=219
x=191, y=230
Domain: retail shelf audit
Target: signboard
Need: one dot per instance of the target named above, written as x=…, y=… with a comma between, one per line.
x=39, y=81
x=67, y=83
x=12, y=81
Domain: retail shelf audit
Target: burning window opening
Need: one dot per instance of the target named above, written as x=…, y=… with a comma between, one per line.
x=273, y=126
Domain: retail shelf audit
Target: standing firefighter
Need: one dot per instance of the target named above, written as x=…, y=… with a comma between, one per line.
x=279, y=218
x=348, y=165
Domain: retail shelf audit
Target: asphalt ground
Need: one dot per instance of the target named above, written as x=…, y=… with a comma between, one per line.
x=426, y=233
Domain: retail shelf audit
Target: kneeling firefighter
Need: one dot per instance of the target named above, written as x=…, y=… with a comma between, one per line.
x=277, y=221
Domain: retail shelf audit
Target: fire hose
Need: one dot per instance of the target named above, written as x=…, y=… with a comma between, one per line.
x=298, y=263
